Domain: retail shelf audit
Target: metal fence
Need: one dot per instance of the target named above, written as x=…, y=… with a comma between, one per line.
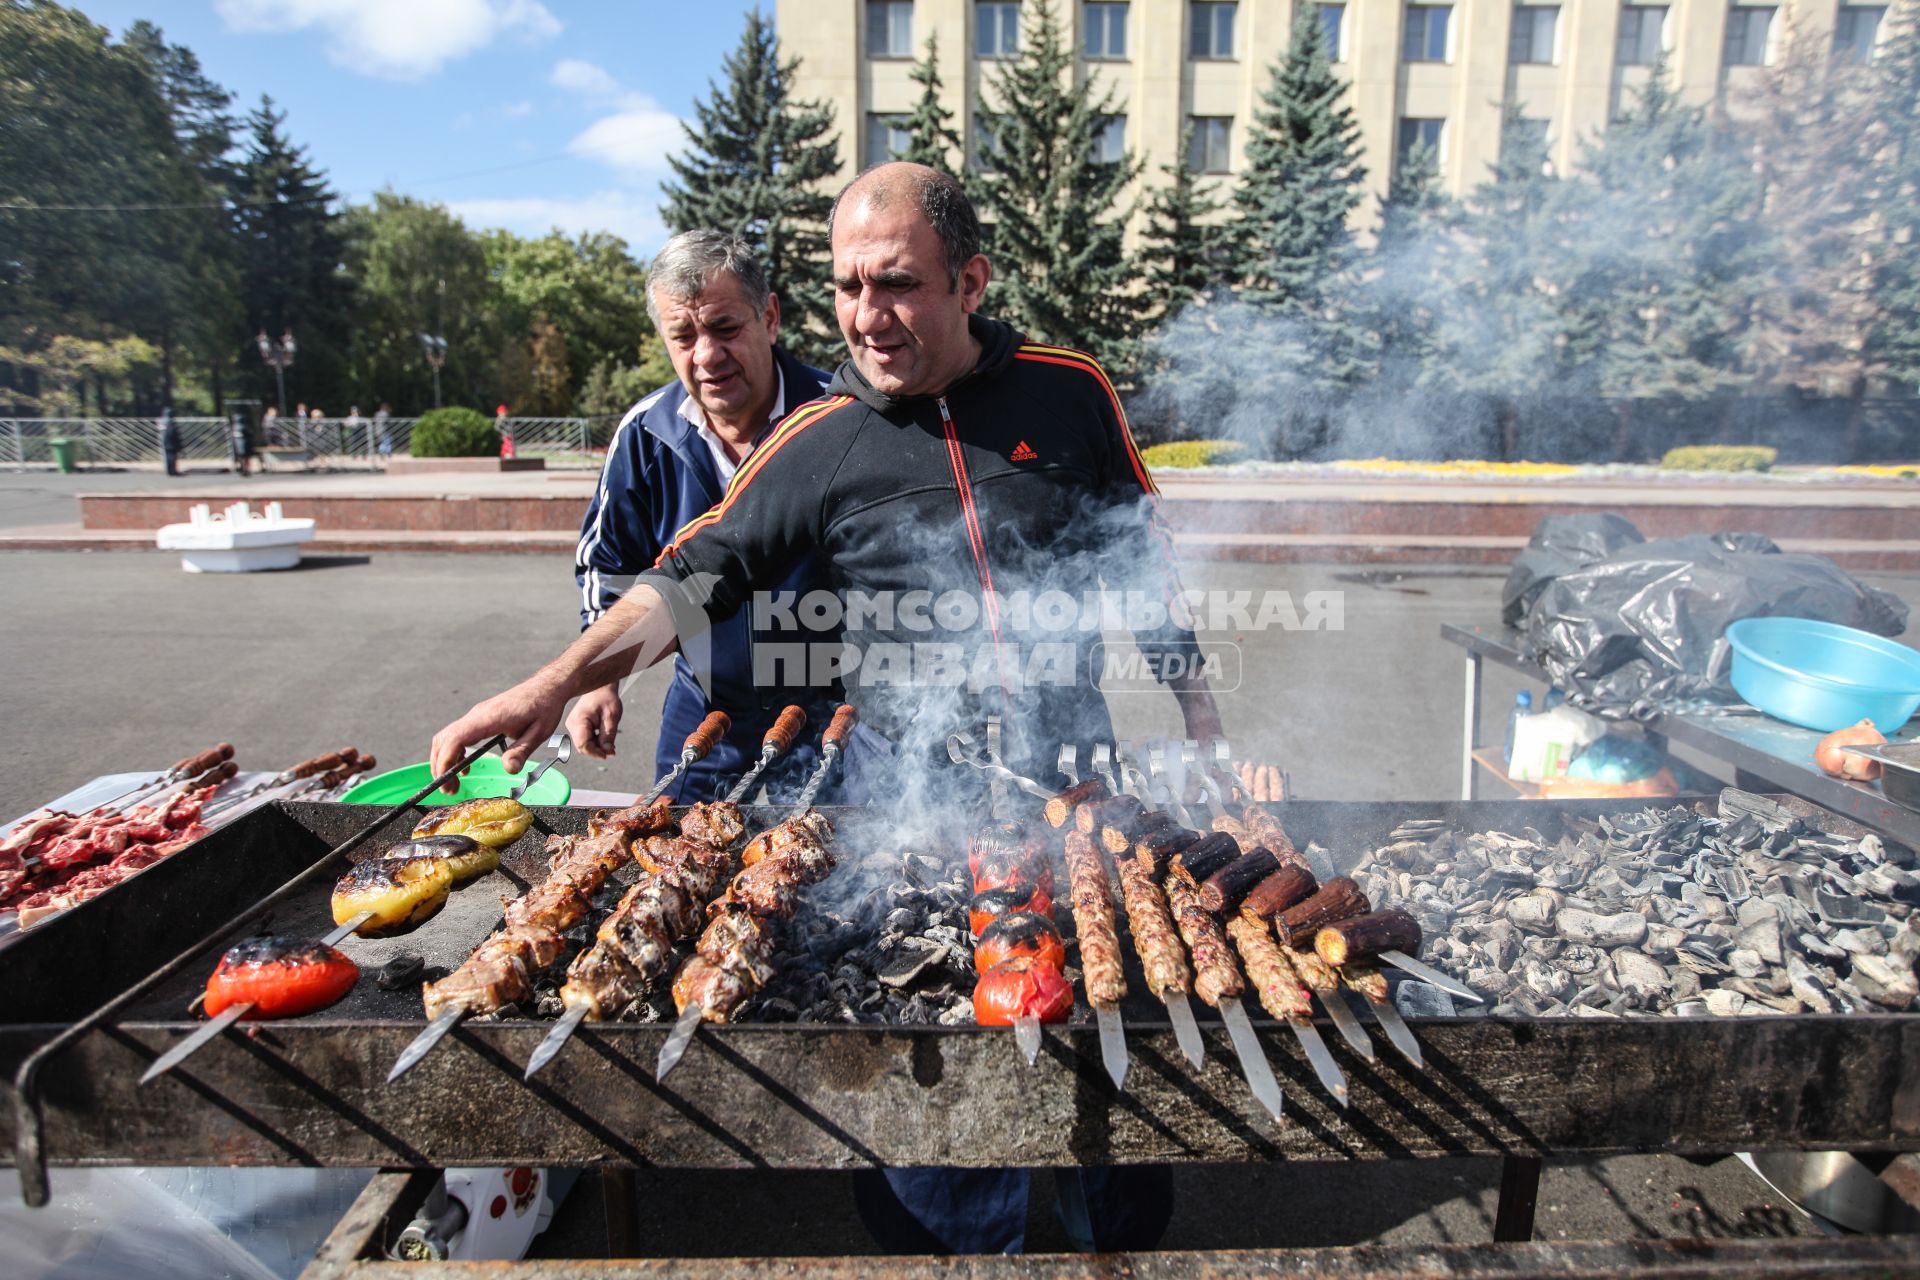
x=360, y=443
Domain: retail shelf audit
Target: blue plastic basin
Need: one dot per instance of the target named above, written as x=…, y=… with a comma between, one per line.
x=1824, y=676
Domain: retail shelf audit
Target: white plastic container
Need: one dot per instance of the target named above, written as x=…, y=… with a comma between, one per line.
x=236, y=540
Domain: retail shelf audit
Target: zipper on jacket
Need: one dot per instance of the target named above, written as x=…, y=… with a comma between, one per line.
x=976, y=541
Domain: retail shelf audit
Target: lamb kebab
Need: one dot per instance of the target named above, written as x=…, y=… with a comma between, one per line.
x=1156, y=938
x=500, y=970
x=734, y=957
x=633, y=947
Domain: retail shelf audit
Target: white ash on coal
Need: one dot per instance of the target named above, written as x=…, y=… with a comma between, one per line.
x=892, y=946
x=1661, y=911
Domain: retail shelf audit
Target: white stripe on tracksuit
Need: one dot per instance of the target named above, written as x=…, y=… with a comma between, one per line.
x=592, y=588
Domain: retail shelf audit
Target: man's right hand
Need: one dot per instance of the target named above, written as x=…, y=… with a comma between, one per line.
x=528, y=713
x=595, y=720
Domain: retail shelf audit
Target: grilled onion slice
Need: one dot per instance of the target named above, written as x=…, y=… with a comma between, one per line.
x=466, y=856
x=493, y=821
x=401, y=892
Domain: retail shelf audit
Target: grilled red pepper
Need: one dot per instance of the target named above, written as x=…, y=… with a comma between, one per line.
x=989, y=906
x=1022, y=986
x=280, y=977
x=1024, y=933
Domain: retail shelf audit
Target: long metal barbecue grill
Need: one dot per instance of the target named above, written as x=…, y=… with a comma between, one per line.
x=811, y=1095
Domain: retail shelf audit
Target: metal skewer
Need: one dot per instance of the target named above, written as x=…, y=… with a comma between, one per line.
x=284, y=780
x=831, y=744
x=181, y=770
x=1398, y=1032
x=778, y=739
x=697, y=745
x=230, y=1015
x=562, y=747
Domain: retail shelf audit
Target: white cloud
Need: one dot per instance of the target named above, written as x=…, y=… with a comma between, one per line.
x=515, y=110
x=395, y=39
x=577, y=75
x=633, y=217
x=634, y=140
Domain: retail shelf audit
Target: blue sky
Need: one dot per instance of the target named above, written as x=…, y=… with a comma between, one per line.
x=524, y=114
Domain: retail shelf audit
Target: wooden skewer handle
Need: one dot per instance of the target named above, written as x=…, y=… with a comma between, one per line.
x=195, y=765
x=708, y=735
x=348, y=754
x=785, y=730
x=841, y=726
x=220, y=773
x=319, y=764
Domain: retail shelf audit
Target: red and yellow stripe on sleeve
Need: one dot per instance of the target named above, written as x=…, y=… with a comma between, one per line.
x=1072, y=359
x=791, y=426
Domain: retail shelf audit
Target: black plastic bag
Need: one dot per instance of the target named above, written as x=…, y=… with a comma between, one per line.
x=1628, y=626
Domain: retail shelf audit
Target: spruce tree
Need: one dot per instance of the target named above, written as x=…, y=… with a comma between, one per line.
x=290, y=246
x=1056, y=213
x=931, y=138
x=1401, y=290
x=1184, y=248
x=1302, y=178
x=755, y=165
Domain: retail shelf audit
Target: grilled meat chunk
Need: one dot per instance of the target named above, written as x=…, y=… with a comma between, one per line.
x=1280, y=990
x=1154, y=934
x=717, y=824
x=811, y=825
x=1216, y=974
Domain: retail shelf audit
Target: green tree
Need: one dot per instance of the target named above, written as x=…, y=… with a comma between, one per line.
x=1184, y=247
x=291, y=247
x=1302, y=179
x=1403, y=287
x=415, y=268
x=755, y=165
x=1057, y=211
x=931, y=138
x=588, y=287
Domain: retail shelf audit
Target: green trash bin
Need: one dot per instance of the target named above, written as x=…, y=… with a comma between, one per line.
x=63, y=453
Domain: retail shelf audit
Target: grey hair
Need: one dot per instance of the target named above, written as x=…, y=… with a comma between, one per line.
x=942, y=201
x=687, y=264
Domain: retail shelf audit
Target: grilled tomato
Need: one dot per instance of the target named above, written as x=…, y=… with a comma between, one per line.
x=493, y=821
x=1024, y=933
x=280, y=977
x=1027, y=842
x=1013, y=869
x=466, y=857
x=399, y=891
x=1021, y=987
x=990, y=905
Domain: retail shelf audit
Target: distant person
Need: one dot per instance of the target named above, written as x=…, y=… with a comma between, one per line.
x=239, y=443
x=169, y=441
x=350, y=431
x=383, y=429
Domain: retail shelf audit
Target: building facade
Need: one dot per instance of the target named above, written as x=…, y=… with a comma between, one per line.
x=1433, y=73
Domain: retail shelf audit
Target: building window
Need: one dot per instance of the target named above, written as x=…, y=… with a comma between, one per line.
x=1333, y=31
x=1419, y=131
x=996, y=29
x=1106, y=31
x=1747, y=31
x=1534, y=28
x=1642, y=35
x=887, y=137
x=889, y=28
x=1856, y=30
x=1208, y=153
x=1110, y=144
x=1211, y=36
x=1426, y=32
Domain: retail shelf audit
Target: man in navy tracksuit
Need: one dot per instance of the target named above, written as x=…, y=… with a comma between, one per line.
x=669, y=461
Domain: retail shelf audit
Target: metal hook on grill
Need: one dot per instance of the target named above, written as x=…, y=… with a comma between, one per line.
x=963, y=749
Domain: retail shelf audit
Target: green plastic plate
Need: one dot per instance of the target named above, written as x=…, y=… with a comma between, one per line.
x=484, y=779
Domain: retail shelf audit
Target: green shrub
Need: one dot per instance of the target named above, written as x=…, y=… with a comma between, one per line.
x=455, y=433
x=1720, y=457
x=1180, y=454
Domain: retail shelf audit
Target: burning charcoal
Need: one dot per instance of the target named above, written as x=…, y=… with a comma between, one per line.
x=1682, y=984
x=923, y=871
x=1756, y=911
x=1762, y=939
x=1723, y=1003
x=1885, y=982
x=1534, y=912
x=1623, y=930
x=1580, y=959
x=1547, y=980
x=1494, y=982
x=1806, y=984
x=1638, y=975
x=909, y=959
x=1837, y=908
x=902, y=920
x=403, y=971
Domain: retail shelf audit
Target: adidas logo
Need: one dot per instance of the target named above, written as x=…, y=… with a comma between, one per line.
x=1023, y=453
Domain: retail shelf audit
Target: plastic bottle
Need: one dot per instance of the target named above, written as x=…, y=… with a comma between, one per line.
x=1522, y=706
x=1554, y=698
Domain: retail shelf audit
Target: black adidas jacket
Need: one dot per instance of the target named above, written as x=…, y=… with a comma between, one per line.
x=1022, y=482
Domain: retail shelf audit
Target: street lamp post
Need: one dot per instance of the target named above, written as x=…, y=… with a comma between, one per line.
x=279, y=355
x=436, y=349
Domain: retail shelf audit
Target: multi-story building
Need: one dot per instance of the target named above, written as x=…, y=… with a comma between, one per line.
x=1434, y=73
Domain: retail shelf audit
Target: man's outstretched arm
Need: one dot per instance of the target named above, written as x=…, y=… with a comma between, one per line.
x=636, y=633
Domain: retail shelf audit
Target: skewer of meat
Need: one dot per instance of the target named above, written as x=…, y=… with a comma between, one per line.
x=1101, y=972
x=734, y=957
x=501, y=969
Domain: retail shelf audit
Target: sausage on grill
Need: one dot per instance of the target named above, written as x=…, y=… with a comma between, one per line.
x=1280, y=990
x=1093, y=921
x=1154, y=934
x=1216, y=976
